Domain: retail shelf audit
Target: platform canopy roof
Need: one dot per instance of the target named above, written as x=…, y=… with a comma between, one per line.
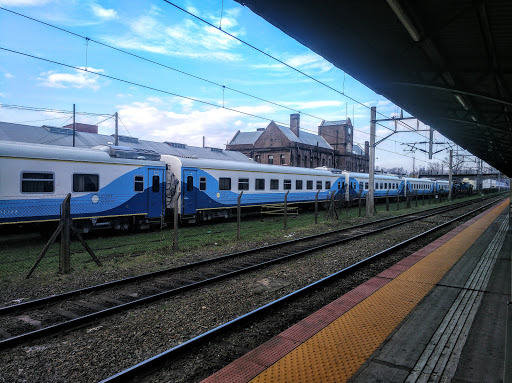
x=446, y=62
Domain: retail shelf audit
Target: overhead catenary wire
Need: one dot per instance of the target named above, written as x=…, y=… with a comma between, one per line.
x=87, y=39
x=279, y=61
x=38, y=109
x=157, y=63
x=136, y=84
x=203, y=79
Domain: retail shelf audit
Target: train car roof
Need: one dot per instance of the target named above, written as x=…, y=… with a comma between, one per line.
x=376, y=176
x=63, y=153
x=247, y=166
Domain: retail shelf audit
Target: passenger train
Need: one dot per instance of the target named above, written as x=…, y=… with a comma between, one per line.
x=121, y=187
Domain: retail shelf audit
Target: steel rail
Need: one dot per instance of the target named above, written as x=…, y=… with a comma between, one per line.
x=80, y=321
x=147, y=366
x=58, y=297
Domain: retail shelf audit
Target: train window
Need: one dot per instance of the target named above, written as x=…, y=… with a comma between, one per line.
x=259, y=184
x=327, y=185
x=86, y=182
x=274, y=184
x=202, y=183
x=155, y=188
x=243, y=184
x=318, y=185
x=309, y=185
x=224, y=183
x=138, y=184
x=298, y=184
x=381, y=185
x=37, y=182
x=271, y=160
x=287, y=185
x=376, y=185
x=366, y=186
x=385, y=185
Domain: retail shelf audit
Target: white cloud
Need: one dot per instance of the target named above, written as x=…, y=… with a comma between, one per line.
x=78, y=79
x=8, y=75
x=176, y=122
x=186, y=38
x=2, y=95
x=310, y=61
x=103, y=13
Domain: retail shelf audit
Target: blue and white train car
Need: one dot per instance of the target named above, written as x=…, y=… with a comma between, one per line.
x=442, y=187
x=105, y=190
x=383, y=185
x=419, y=186
x=210, y=188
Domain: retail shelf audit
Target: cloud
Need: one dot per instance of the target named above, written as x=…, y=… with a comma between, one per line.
x=187, y=38
x=78, y=79
x=2, y=95
x=103, y=13
x=176, y=122
x=8, y=75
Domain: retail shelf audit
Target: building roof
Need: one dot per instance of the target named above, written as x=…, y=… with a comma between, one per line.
x=305, y=138
x=64, y=137
x=245, y=138
x=336, y=123
x=356, y=149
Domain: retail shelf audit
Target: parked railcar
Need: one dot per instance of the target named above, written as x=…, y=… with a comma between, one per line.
x=392, y=186
x=442, y=187
x=420, y=186
x=106, y=189
x=210, y=188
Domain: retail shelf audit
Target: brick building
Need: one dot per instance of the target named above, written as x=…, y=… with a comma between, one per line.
x=276, y=144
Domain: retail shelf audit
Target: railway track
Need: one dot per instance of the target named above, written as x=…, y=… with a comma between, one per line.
x=34, y=319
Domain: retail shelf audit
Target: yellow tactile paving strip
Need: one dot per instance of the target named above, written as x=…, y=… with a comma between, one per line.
x=335, y=353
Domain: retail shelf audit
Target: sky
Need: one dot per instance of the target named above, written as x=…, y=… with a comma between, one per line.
x=190, y=80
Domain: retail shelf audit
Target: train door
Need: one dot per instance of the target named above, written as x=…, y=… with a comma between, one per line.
x=155, y=192
x=189, y=191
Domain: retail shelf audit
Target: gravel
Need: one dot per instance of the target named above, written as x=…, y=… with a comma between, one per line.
x=108, y=346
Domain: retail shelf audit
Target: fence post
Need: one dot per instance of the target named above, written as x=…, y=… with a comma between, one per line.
x=285, y=210
x=316, y=207
x=397, y=200
x=238, y=215
x=387, y=200
x=176, y=222
x=360, y=201
x=65, y=236
x=416, y=198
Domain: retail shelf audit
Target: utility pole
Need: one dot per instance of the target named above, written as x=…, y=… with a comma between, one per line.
x=74, y=127
x=116, y=138
x=371, y=184
x=450, y=176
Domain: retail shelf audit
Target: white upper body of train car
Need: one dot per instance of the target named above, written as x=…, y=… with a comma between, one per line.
x=210, y=188
x=36, y=178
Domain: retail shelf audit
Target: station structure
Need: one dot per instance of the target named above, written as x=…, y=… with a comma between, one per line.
x=444, y=313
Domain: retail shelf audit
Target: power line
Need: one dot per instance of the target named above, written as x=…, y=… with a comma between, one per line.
x=37, y=109
x=278, y=60
x=137, y=84
x=87, y=39
x=201, y=78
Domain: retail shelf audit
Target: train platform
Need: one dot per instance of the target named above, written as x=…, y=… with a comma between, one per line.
x=438, y=315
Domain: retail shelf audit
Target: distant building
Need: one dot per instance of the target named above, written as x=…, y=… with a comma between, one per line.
x=87, y=137
x=276, y=144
